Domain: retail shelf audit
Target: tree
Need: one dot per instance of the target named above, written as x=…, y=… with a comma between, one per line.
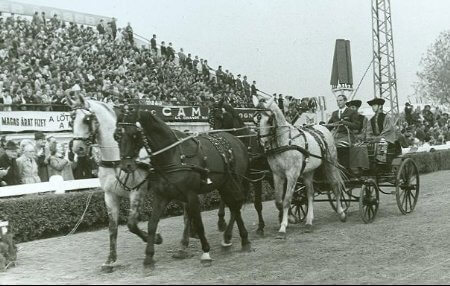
x=434, y=78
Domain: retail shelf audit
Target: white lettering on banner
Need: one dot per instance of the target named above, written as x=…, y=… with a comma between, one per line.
x=34, y=121
x=181, y=112
x=167, y=111
x=196, y=111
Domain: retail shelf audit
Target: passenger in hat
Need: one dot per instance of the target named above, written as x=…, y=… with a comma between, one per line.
x=42, y=154
x=9, y=172
x=381, y=125
x=362, y=120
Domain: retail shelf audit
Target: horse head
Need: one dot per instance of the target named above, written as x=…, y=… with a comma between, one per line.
x=264, y=118
x=85, y=125
x=130, y=137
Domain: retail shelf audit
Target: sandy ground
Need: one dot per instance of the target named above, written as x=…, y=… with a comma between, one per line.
x=393, y=249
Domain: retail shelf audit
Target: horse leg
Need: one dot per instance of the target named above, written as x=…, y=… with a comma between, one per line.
x=194, y=214
x=159, y=205
x=258, y=207
x=112, y=206
x=228, y=234
x=290, y=186
x=221, y=224
x=308, y=181
x=136, y=197
x=183, y=252
x=337, y=193
x=235, y=208
x=279, y=190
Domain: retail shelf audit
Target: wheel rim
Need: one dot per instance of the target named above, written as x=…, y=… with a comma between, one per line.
x=407, y=186
x=368, y=202
x=299, y=205
x=346, y=196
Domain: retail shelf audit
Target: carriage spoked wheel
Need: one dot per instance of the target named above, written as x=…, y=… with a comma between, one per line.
x=369, y=200
x=299, y=204
x=346, y=196
x=407, y=186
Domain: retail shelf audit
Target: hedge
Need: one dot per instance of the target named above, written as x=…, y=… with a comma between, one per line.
x=42, y=216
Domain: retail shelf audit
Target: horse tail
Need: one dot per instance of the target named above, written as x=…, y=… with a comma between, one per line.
x=336, y=173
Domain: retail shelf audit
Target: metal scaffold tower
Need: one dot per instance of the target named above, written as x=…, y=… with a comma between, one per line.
x=384, y=74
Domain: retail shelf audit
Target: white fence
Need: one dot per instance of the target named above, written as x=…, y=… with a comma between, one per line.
x=57, y=186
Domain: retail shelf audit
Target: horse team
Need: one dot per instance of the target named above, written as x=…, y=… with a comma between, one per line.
x=184, y=166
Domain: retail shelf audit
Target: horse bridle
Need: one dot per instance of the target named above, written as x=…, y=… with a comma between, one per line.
x=92, y=133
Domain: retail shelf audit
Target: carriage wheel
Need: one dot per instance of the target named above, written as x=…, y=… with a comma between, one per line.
x=369, y=200
x=346, y=196
x=407, y=186
x=299, y=203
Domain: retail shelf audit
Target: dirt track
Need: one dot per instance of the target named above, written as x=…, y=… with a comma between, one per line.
x=394, y=249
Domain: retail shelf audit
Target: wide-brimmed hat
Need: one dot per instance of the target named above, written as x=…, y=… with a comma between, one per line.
x=376, y=101
x=355, y=102
x=11, y=145
x=39, y=135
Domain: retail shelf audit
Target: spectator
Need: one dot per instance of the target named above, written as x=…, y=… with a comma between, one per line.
x=238, y=83
x=246, y=86
x=189, y=62
x=41, y=156
x=153, y=44
x=58, y=165
x=254, y=89
x=113, y=28
x=27, y=166
x=182, y=58
x=163, y=50
x=280, y=102
x=170, y=52
x=101, y=27
x=9, y=171
x=129, y=31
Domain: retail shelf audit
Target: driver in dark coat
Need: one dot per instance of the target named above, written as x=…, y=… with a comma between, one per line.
x=347, y=120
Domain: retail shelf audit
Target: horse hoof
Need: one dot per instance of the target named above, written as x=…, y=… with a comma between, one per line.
x=247, y=248
x=206, y=260
x=308, y=228
x=107, y=268
x=158, y=239
x=281, y=235
x=222, y=226
x=180, y=254
x=226, y=244
x=343, y=217
x=260, y=232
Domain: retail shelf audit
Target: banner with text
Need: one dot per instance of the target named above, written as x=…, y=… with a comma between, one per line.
x=17, y=121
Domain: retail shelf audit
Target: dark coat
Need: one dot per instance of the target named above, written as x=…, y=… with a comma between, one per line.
x=12, y=177
x=349, y=118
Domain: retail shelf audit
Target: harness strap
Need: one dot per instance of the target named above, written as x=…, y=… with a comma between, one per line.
x=109, y=164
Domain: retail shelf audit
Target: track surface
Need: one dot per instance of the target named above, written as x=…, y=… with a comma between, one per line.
x=393, y=249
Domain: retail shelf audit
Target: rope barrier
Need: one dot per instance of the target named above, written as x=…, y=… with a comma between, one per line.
x=82, y=216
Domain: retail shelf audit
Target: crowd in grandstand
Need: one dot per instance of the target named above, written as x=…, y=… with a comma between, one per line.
x=41, y=59
x=424, y=127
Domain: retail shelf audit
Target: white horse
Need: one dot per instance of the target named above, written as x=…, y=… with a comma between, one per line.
x=290, y=158
x=95, y=121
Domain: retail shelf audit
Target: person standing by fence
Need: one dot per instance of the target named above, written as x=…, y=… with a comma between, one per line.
x=28, y=168
x=58, y=165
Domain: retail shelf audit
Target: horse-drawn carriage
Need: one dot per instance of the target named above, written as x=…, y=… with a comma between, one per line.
x=395, y=171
